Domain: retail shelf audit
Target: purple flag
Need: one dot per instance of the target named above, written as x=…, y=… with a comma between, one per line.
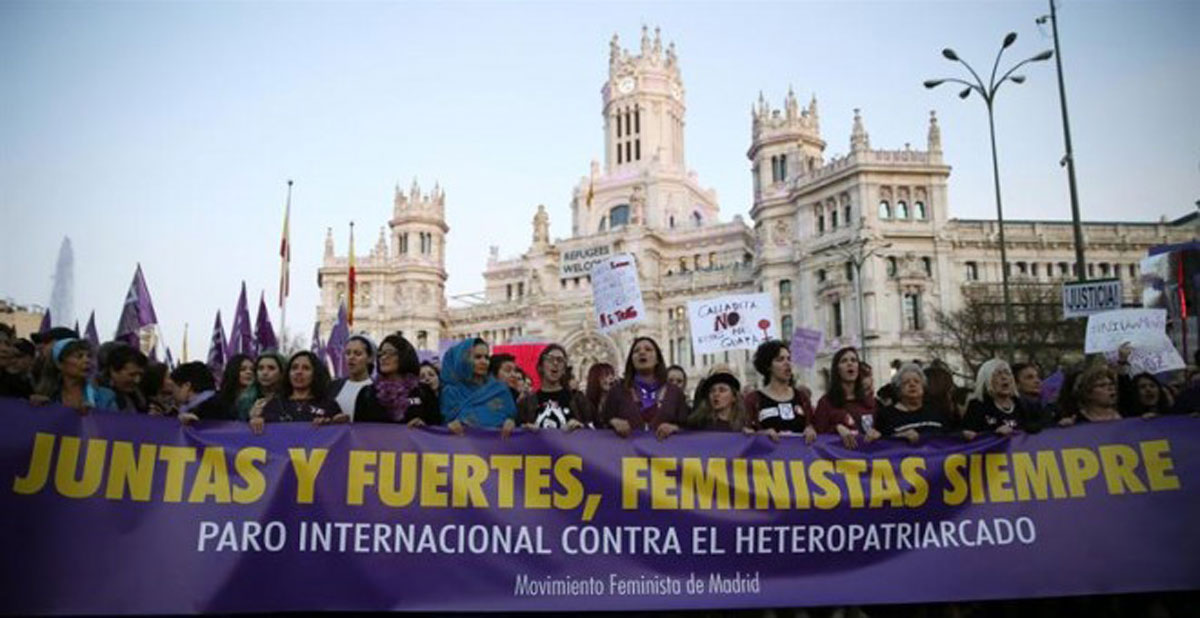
x=336, y=348
x=216, y=348
x=91, y=335
x=45, y=325
x=241, y=340
x=138, y=311
x=264, y=333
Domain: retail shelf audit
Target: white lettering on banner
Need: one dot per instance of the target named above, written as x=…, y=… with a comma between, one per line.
x=1087, y=297
x=731, y=322
x=1142, y=328
x=616, y=293
x=579, y=262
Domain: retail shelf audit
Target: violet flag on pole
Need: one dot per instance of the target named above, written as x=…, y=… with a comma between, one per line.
x=336, y=347
x=45, y=325
x=241, y=340
x=138, y=312
x=216, y=348
x=318, y=348
x=264, y=333
x=92, y=336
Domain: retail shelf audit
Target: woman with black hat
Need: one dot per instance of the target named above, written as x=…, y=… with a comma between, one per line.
x=719, y=406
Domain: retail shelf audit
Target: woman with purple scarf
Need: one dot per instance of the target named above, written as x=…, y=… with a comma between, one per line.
x=644, y=399
x=397, y=395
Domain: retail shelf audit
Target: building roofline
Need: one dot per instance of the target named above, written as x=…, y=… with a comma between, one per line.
x=1178, y=221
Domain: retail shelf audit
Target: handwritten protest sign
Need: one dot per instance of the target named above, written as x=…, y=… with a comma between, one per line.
x=1153, y=361
x=730, y=322
x=1143, y=328
x=805, y=344
x=616, y=294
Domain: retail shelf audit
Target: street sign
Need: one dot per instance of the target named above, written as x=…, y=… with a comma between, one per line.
x=1083, y=298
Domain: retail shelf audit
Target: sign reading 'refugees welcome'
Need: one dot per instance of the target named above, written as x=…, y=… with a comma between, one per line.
x=379, y=517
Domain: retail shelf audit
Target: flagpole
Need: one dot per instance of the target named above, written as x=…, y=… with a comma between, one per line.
x=285, y=277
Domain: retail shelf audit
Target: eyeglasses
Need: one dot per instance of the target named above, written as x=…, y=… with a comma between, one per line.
x=557, y=360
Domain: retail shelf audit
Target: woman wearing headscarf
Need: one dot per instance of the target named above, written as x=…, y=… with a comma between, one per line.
x=472, y=397
x=644, y=399
x=994, y=406
x=360, y=360
x=65, y=379
x=398, y=395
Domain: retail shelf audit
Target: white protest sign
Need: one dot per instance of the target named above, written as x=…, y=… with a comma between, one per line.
x=1143, y=328
x=580, y=261
x=616, y=293
x=1082, y=298
x=730, y=322
x=1153, y=361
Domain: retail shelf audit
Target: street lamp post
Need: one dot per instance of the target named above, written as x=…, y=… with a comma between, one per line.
x=857, y=258
x=988, y=94
x=1069, y=158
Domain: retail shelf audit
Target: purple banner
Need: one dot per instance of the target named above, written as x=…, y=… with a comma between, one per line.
x=114, y=513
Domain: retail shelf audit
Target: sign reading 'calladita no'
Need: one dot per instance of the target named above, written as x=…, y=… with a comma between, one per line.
x=1084, y=298
x=579, y=262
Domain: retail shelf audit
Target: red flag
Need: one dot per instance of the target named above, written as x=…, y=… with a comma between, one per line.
x=285, y=251
x=351, y=275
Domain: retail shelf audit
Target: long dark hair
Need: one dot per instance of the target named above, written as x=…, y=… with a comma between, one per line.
x=833, y=387
x=1135, y=406
x=230, y=384
x=319, y=388
x=660, y=363
x=595, y=374
x=764, y=355
x=409, y=362
x=542, y=359
x=50, y=382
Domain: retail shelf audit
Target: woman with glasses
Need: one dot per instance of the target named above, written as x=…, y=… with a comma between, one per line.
x=995, y=406
x=1096, y=394
x=398, y=395
x=554, y=404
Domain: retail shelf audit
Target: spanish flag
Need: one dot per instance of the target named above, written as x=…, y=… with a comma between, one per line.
x=352, y=277
x=591, y=190
x=285, y=252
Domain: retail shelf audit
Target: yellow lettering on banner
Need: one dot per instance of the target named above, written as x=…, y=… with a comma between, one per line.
x=663, y=486
x=389, y=493
x=831, y=494
x=956, y=493
x=977, y=487
x=703, y=483
x=853, y=469
x=1157, y=459
x=800, y=484
x=632, y=481
x=359, y=475
x=306, y=465
x=998, y=479
x=39, y=465
x=741, y=484
x=212, y=477
x=256, y=483
x=93, y=467
x=537, y=481
x=177, y=458
x=434, y=479
x=470, y=471
x=910, y=469
x=884, y=486
x=771, y=485
x=506, y=486
x=572, y=489
x=1120, y=469
x=135, y=472
x=1081, y=466
x=1044, y=477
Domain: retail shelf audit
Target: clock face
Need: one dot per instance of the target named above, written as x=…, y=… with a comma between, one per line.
x=626, y=85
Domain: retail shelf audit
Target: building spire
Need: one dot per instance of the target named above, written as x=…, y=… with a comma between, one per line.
x=329, y=243
x=645, y=40
x=935, y=133
x=859, y=140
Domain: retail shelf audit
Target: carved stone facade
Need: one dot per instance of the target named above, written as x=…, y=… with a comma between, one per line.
x=809, y=216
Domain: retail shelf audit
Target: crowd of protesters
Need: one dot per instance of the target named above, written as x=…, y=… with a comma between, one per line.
x=472, y=388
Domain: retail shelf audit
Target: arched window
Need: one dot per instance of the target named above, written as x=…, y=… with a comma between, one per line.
x=891, y=267
x=821, y=276
x=919, y=210
x=833, y=219
x=846, y=216
x=885, y=210
x=697, y=218
x=901, y=209
x=849, y=271
x=618, y=216
x=928, y=263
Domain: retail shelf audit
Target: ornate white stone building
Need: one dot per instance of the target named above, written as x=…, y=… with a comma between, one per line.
x=812, y=217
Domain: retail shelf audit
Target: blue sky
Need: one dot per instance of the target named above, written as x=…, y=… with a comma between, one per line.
x=164, y=132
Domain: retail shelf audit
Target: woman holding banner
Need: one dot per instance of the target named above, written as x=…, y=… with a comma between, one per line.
x=644, y=399
x=995, y=407
x=848, y=406
x=472, y=397
x=65, y=379
x=304, y=397
x=911, y=417
x=398, y=395
x=268, y=373
x=779, y=407
x=554, y=405
x=360, y=361
x=1095, y=392
x=719, y=406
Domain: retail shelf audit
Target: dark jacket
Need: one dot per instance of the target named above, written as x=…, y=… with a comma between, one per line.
x=531, y=412
x=984, y=416
x=623, y=403
x=422, y=404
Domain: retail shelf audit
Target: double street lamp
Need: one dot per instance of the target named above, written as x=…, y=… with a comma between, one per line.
x=856, y=254
x=988, y=93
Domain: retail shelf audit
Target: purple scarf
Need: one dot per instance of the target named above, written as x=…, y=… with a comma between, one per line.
x=395, y=395
x=647, y=392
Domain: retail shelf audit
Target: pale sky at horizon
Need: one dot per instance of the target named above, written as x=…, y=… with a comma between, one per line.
x=164, y=133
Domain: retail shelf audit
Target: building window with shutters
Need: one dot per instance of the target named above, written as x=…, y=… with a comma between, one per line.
x=912, y=311
x=885, y=210
x=901, y=209
x=836, y=313
x=786, y=326
x=919, y=210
